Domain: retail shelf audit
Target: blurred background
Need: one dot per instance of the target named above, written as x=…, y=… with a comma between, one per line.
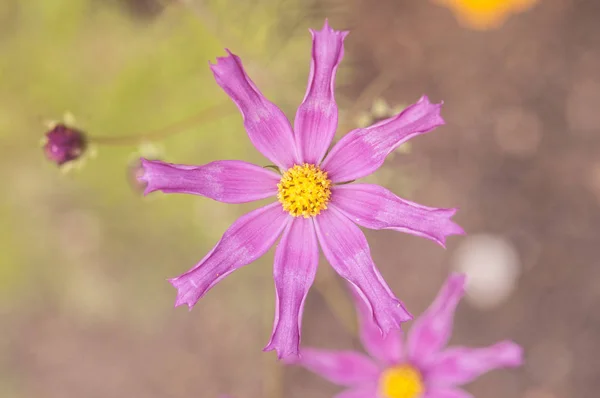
x=85, y=308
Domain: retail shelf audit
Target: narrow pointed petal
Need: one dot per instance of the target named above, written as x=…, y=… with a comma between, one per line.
x=386, y=349
x=228, y=181
x=372, y=206
x=344, y=368
x=366, y=391
x=317, y=117
x=362, y=151
x=461, y=365
x=296, y=261
x=447, y=393
x=251, y=236
x=267, y=126
x=347, y=250
x=432, y=330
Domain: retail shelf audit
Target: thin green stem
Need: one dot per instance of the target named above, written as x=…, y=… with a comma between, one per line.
x=336, y=299
x=207, y=115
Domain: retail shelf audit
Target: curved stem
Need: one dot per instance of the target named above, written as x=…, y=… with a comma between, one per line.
x=336, y=299
x=207, y=115
x=374, y=89
x=272, y=369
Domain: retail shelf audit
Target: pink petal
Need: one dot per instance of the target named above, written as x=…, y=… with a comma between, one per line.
x=372, y=206
x=446, y=393
x=229, y=181
x=432, y=330
x=461, y=365
x=347, y=250
x=268, y=128
x=296, y=261
x=387, y=349
x=317, y=117
x=366, y=391
x=345, y=368
x=362, y=151
x=246, y=240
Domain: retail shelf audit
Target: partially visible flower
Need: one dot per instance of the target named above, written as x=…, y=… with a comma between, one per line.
x=381, y=110
x=419, y=368
x=64, y=144
x=486, y=14
x=315, y=206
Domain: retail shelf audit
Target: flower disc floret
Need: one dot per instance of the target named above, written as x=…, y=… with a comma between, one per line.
x=403, y=381
x=304, y=190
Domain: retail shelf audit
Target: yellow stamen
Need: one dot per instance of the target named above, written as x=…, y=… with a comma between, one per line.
x=402, y=381
x=304, y=190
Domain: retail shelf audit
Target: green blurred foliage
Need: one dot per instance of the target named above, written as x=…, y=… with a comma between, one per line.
x=87, y=244
x=118, y=75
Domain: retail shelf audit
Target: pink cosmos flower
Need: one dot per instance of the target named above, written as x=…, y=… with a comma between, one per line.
x=313, y=207
x=420, y=369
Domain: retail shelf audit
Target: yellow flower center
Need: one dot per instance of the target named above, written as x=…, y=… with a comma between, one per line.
x=304, y=190
x=402, y=381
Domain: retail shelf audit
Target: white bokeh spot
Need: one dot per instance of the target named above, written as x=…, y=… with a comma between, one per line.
x=492, y=266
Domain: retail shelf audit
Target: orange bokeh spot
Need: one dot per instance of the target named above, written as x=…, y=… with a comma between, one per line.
x=485, y=14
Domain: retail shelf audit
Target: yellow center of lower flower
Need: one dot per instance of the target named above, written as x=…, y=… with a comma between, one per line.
x=402, y=381
x=304, y=190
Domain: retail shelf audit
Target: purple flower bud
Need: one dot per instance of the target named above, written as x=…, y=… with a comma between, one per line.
x=64, y=144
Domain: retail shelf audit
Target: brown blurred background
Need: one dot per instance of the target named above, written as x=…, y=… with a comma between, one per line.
x=85, y=310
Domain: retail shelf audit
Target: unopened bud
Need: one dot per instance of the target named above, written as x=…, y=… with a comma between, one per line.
x=64, y=144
